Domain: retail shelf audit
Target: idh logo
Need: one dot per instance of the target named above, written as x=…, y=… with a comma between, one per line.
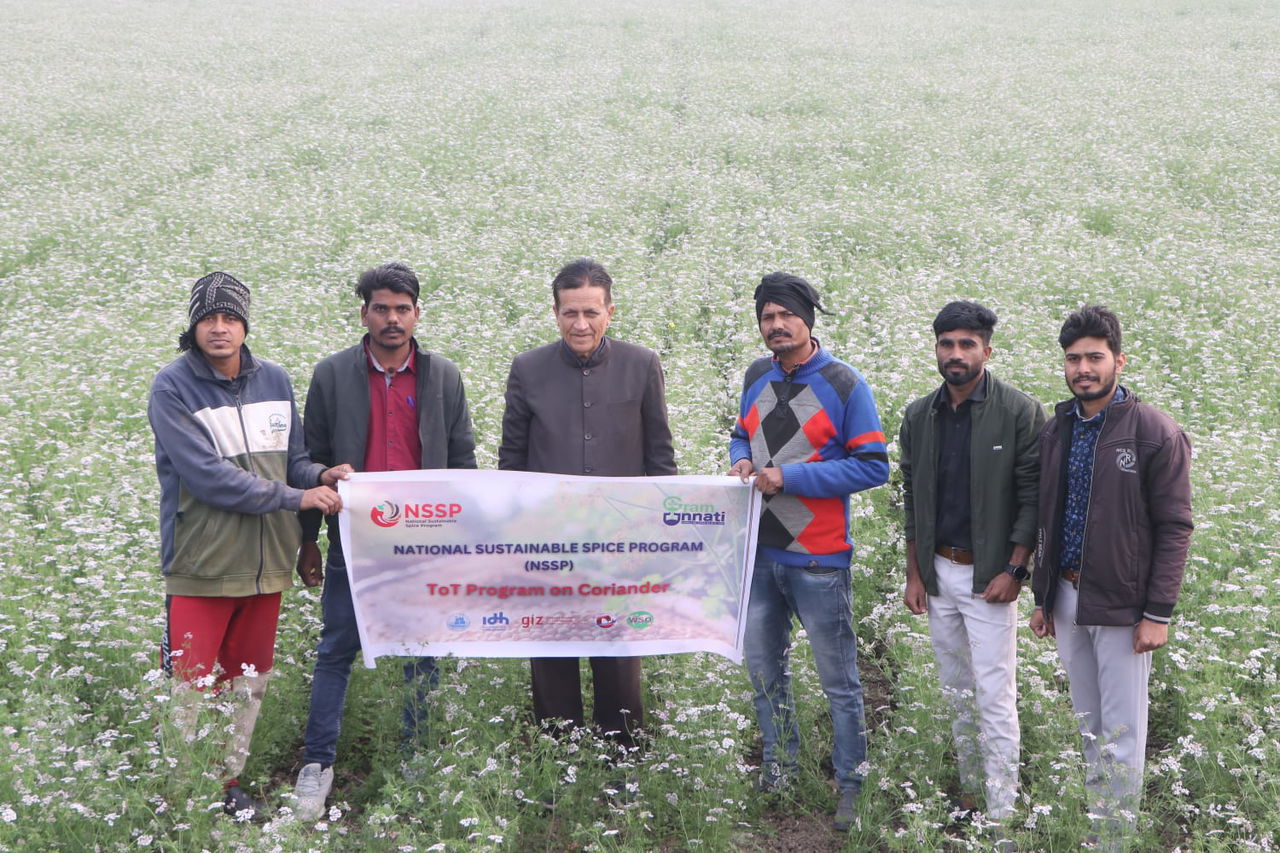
x=385, y=514
x=498, y=621
x=389, y=514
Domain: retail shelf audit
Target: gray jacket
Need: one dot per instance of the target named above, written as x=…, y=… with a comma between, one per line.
x=336, y=421
x=232, y=469
x=606, y=417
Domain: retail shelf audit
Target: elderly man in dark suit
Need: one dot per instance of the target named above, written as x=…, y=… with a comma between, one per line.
x=589, y=405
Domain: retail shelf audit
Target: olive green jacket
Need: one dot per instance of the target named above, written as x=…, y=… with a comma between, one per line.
x=1004, y=455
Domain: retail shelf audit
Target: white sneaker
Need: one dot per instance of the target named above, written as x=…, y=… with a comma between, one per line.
x=311, y=792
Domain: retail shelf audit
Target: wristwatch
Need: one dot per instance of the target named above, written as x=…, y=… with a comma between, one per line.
x=1019, y=573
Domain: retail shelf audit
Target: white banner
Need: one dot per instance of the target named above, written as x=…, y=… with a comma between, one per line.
x=513, y=564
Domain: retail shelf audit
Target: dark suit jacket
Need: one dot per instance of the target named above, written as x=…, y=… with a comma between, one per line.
x=606, y=417
x=336, y=421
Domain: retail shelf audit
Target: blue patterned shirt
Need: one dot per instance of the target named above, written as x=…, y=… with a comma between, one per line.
x=1084, y=440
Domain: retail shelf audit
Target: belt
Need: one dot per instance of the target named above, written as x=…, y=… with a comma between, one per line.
x=1071, y=576
x=955, y=555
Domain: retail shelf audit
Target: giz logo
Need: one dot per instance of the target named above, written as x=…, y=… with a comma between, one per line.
x=385, y=514
x=605, y=621
x=389, y=514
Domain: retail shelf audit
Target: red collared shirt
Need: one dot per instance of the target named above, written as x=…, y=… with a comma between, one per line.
x=393, y=443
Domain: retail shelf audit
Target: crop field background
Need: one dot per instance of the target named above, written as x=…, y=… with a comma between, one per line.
x=1033, y=155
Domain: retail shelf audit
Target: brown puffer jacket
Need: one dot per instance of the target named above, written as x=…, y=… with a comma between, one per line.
x=1138, y=522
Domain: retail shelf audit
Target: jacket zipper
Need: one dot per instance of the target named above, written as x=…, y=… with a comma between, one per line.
x=244, y=433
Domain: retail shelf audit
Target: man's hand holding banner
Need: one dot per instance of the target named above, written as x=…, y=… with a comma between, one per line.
x=513, y=564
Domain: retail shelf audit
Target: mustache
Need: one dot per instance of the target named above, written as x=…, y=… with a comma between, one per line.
x=955, y=364
x=779, y=333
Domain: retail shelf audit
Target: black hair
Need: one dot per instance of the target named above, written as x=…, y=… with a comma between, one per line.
x=966, y=315
x=1091, y=321
x=584, y=272
x=394, y=276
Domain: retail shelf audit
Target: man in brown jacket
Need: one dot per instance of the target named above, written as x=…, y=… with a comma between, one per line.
x=588, y=405
x=1115, y=525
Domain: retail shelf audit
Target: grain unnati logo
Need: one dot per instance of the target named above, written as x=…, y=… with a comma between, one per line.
x=385, y=514
x=676, y=511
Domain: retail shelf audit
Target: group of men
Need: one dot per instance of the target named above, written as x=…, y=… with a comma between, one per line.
x=1099, y=495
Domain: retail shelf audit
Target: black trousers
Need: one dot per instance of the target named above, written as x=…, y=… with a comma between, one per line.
x=557, y=694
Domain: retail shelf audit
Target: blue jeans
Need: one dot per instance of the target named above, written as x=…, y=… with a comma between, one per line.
x=822, y=599
x=338, y=647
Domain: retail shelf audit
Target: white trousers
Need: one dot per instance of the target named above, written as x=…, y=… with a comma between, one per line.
x=975, y=645
x=1109, y=695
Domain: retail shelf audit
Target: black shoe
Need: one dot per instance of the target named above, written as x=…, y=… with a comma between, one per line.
x=846, y=809
x=237, y=803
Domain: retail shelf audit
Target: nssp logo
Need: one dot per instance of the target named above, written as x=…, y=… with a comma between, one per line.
x=389, y=514
x=385, y=514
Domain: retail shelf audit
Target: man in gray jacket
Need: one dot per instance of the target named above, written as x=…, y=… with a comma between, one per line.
x=969, y=460
x=384, y=404
x=233, y=472
x=587, y=404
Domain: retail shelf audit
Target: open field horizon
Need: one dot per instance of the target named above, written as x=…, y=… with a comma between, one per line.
x=1033, y=155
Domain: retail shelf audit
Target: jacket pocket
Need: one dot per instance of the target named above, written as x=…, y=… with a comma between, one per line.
x=192, y=537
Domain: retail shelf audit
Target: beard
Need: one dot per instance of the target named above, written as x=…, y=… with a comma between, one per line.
x=964, y=378
x=1102, y=390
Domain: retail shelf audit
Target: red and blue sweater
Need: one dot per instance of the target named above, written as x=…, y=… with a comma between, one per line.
x=819, y=424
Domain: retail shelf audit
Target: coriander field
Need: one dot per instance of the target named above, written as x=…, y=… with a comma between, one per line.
x=1032, y=155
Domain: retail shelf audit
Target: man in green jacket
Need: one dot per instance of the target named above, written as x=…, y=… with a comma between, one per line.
x=970, y=470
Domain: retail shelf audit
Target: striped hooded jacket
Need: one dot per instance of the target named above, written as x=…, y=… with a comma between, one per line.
x=819, y=424
x=232, y=466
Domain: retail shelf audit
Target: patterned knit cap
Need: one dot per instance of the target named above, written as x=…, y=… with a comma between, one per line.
x=218, y=292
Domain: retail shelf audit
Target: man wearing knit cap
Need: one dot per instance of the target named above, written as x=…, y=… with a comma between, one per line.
x=233, y=473
x=809, y=433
